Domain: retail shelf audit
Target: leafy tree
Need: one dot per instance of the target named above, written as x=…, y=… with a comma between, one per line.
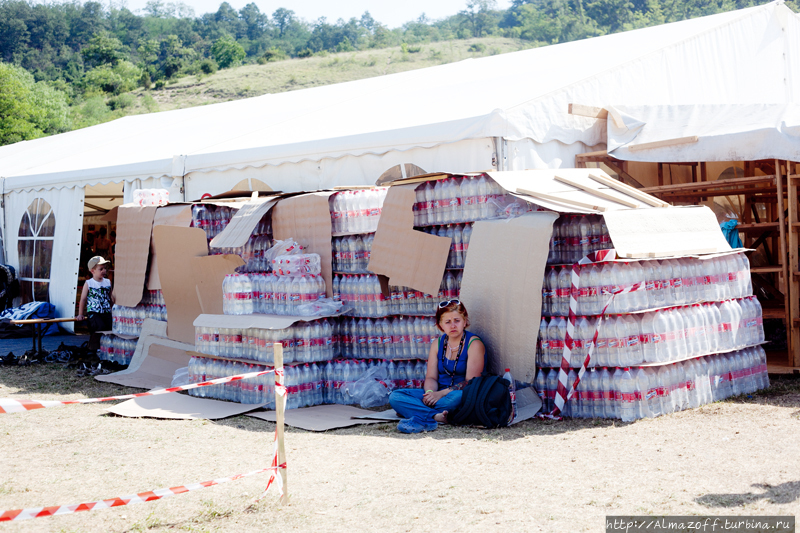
x=113, y=79
x=481, y=16
x=29, y=109
x=227, y=52
x=103, y=49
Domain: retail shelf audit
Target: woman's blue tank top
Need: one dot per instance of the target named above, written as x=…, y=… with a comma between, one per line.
x=448, y=367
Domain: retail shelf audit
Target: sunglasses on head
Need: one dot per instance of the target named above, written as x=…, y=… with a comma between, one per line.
x=445, y=303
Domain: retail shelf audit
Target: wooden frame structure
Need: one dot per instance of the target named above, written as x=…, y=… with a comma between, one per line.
x=776, y=230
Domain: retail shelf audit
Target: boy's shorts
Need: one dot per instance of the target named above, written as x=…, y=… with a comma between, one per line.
x=99, y=321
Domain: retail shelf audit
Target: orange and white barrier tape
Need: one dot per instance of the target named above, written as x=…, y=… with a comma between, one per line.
x=142, y=497
x=12, y=405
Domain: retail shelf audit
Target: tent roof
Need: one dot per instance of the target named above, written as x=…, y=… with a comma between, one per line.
x=521, y=95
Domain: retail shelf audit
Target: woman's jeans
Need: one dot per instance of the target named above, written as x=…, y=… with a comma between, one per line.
x=408, y=404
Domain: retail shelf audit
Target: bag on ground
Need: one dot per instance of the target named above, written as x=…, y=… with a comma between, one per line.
x=485, y=401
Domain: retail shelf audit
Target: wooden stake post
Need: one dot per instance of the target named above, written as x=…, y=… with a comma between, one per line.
x=280, y=408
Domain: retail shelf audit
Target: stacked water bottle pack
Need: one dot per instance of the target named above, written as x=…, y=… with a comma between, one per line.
x=307, y=384
x=211, y=218
x=667, y=282
x=464, y=199
x=356, y=211
x=351, y=253
x=116, y=349
x=459, y=235
x=630, y=393
x=303, y=342
x=400, y=337
x=575, y=236
x=245, y=294
x=128, y=320
x=668, y=334
x=364, y=294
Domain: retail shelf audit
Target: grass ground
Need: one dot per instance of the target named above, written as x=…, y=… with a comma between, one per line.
x=294, y=74
x=738, y=457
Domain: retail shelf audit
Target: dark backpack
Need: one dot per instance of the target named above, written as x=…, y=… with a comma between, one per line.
x=485, y=401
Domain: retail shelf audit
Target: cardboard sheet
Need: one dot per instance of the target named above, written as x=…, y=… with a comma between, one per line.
x=320, y=417
x=209, y=272
x=161, y=359
x=180, y=407
x=528, y=404
x=241, y=226
x=134, y=226
x=387, y=416
x=307, y=219
x=180, y=281
x=502, y=289
x=170, y=215
x=407, y=257
x=641, y=233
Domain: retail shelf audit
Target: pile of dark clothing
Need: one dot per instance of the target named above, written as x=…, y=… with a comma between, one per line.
x=77, y=357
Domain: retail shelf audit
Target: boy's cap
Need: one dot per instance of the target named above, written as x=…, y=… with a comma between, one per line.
x=96, y=260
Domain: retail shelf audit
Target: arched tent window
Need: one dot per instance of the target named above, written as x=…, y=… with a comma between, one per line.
x=35, y=248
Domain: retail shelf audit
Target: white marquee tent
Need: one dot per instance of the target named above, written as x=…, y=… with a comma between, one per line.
x=507, y=112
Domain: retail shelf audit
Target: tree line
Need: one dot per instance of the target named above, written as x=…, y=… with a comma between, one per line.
x=59, y=57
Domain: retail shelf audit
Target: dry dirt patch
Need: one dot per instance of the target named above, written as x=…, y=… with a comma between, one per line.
x=736, y=457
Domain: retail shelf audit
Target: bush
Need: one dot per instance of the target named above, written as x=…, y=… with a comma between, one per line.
x=208, y=66
x=305, y=52
x=477, y=47
x=121, y=101
x=274, y=54
x=117, y=79
x=227, y=52
x=414, y=49
x=160, y=84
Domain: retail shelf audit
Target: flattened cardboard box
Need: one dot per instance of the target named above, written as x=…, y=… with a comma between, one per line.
x=320, y=417
x=170, y=215
x=502, y=289
x=180, y=407
x=238, y=231
x=191, y=281
x=307, y=219
x=406, y=256
x=134, y=227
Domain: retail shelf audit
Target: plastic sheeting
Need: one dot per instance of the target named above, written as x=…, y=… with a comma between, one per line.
x=724, y=132
x=517, y=96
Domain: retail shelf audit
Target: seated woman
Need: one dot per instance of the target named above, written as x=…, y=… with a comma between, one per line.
x=456, y=358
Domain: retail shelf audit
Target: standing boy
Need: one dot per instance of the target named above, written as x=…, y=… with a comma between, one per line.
x=96, y=300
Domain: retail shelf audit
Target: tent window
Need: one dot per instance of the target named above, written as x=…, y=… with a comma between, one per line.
x=35, y=248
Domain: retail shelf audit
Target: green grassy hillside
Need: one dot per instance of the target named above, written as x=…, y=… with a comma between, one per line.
x=293, y=74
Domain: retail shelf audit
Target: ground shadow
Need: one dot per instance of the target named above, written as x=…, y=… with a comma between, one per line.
x=778, y=494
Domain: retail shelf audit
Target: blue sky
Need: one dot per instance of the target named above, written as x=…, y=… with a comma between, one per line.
x=389, y=13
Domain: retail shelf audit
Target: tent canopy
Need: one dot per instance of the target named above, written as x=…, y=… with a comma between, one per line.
x=674, y=134
x=521, y=96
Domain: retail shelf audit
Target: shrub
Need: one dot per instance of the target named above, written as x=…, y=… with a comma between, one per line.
x=476, y=47
x=208, y=66
x=305, y=52
x=227, y=52
x=274, y=54
x=121, y=101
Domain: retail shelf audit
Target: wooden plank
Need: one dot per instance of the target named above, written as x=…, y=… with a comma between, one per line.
x=794, y=265
x=760, y=194
x=663, y=144
x=621, y=171
x=595, y=192
x=759, y=226
x=784, y=255
x=630, y=191
x=43, y=320
x=772, y=269
x=710, y=185
x=558, y=199
x=588, y=111
x=280, y=409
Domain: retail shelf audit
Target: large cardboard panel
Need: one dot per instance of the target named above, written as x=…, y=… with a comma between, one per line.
x=307, y=219
x=640, y=233
x=180, y=407
x=241, y=226
x=170, y=215
x=502, y=289
x=320, y=417
x=134, y=226
x=208, y=274
x=150, y=328
x=176, y=248
x=155, y=370
x=407, y=257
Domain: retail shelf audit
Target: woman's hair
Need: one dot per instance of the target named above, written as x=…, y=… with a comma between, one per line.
x=449, y=308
